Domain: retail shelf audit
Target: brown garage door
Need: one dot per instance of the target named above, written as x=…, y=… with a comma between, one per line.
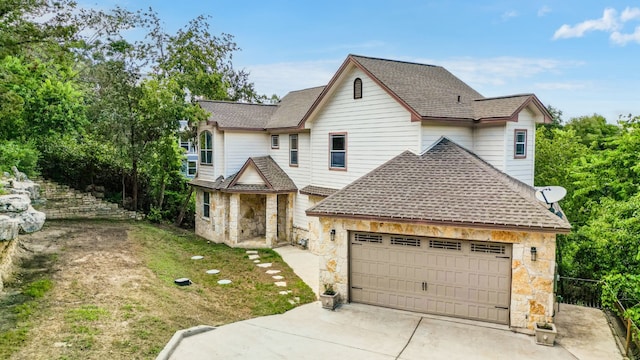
x=439, y=276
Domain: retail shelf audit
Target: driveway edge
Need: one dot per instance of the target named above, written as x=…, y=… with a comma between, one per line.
x=168, y=349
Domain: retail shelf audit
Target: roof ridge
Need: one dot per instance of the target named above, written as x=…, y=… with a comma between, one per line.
x=305, y=89
x=395, y=61
x=505, y=97
x=235, y=102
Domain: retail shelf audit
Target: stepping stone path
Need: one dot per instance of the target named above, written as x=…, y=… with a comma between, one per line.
x=224, y=282
x=197, y=257
x=253, y=255
x=213, y=271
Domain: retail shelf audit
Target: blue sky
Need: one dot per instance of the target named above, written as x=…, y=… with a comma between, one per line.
x=582, y=57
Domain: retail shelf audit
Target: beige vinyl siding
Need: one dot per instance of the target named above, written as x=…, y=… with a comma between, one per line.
x=377, y=126
x=207, y=172
x=521, y=169
x=239, y=146
x=489, y=144
x=300, y=174
x=461, y=135
x=251, y=176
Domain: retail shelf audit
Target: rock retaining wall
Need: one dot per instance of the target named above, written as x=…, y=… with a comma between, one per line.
x=63, y=202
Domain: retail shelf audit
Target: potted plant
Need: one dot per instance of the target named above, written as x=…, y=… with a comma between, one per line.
x=545, y=333
x=329, y=297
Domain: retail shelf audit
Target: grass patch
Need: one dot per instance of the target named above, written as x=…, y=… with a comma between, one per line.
x=16, y=314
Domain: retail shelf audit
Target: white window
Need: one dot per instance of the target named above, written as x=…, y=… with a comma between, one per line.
x=275, y=141
x=338, y=151
x=206, y=148
x=520, y=144
x=192, y=167
x=206, y=204
x=293, y=150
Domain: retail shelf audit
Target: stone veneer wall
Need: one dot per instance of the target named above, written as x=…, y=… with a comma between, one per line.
x=252, y=222
x=63, y=202
x=7, y=251
x=532, y=296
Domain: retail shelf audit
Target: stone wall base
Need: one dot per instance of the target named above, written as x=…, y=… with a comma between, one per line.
x=7, y=253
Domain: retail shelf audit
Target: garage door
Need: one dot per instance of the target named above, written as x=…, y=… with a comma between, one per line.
x=439, y=276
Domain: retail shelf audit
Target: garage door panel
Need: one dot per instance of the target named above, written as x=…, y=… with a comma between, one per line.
x=447, y=277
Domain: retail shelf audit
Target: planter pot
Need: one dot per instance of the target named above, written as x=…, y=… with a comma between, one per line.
x=545, y=336
x=329, y=301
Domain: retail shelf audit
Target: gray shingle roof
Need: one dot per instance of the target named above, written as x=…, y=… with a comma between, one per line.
x=445, y=185
x=276, y=180
x=238, y=115
x=430, y=90
x=500, y=107
x=293, y=107
x=317, y=190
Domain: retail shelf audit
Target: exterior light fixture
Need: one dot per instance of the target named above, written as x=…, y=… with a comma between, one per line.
x=333, y=234
x=534, y=253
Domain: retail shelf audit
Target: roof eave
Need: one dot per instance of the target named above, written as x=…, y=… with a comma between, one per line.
x=518, y=228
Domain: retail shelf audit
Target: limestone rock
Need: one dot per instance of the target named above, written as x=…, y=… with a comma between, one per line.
x=14, y=203
x=31, y=220
x=8, y=228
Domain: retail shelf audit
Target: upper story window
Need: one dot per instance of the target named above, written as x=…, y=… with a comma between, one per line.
x=206, y=148
x=192, y=167
x=293, y=150
x=206, y=204
x=338, y=151
x=275, y=141
x=520, y=144
x=357, y=88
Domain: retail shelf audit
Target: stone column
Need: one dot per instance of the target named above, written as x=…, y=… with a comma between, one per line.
x=218, y=217
x=271, y=226
x=289, y=222
x=234, y=220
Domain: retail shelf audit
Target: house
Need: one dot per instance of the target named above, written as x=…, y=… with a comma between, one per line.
x=190, y=160
x=415, y=190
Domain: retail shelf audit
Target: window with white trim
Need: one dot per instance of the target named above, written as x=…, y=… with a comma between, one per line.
x=192, y=167
x=338, y=151
x=275, y=141
x=293, y=150
x=206, y=204
x=206, y=148
x=520, y=144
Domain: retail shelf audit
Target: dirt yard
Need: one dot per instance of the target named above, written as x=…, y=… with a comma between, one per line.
x=112, y=294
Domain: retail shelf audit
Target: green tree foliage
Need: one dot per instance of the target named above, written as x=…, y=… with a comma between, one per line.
x=593, y=130
x=626, y=289
x=24, y=156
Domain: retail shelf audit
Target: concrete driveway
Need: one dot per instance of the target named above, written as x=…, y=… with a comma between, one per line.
x=356, y=331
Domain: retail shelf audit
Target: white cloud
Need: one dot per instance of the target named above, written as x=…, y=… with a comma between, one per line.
x=559, y=86
x=622, y=39
x=509, y=14
x=608, y=22
x=502, y=70
x=544, y=10
x=630, y=14
x=280, y=78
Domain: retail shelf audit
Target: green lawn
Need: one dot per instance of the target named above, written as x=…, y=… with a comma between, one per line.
x=130, y=307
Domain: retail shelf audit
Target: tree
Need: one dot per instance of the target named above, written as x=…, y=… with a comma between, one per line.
x=593, y=130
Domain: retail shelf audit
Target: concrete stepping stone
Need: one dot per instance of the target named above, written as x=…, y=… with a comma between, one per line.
x=253, y=257
x=264, y=265
x=271, y=272
x=197, y=257
x=284, y=292
x=256, y=261
x=251, y=252
x=212, y=271
x=277, y=277
x=281, y=283
x=224, y=281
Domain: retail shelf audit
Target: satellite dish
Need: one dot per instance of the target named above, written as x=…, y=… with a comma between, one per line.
x=550, y=194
